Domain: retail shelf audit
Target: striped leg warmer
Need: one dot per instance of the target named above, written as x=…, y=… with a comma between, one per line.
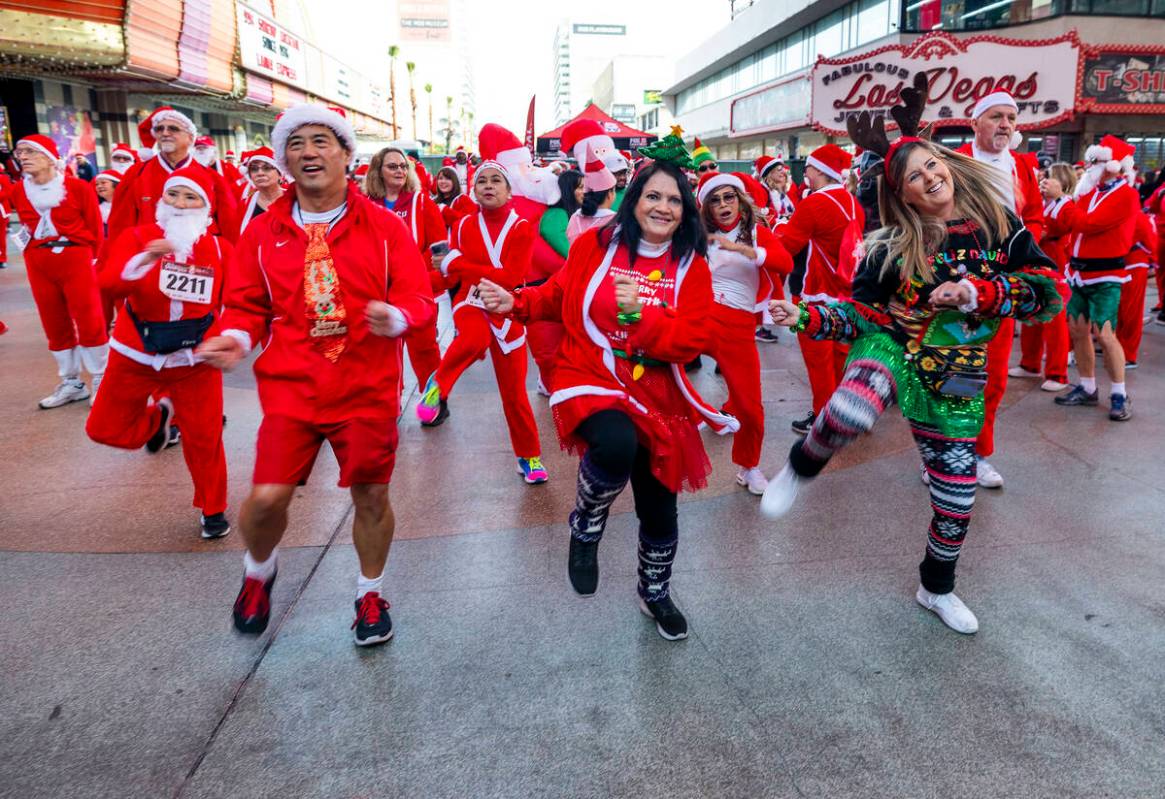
x=950, y=463
x=655, y=562
x=596, y=493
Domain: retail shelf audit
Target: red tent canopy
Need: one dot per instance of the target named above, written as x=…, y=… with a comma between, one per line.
x=625, y=137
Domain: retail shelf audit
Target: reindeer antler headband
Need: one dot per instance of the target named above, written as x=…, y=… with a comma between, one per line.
x=869, y=133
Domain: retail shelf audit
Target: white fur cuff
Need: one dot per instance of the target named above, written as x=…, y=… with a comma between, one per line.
x=241, y=336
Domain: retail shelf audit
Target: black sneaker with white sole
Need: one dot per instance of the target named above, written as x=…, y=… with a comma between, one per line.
x=215, y=525
x=669, y=622
x=373, y=625
x=802, y=426
x=582, y=566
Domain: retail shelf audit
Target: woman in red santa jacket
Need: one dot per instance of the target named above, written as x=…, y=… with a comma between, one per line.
x=171, y=274
x=635, y=299
x=747, y=262
x=392, y=183
x=496, y=242
x=1051, y=338
x=63, y=232
x=1130, y=322
x=452, y=201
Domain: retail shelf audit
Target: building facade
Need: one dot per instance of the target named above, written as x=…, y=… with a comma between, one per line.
x=582, y=50
x=781, y=78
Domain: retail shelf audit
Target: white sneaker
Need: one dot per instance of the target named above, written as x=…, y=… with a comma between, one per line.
x=986, y=475
x=780, y=493
x=543, y=391
x=69, y=390
x=924, y=474
x=1053, y=385
x=753, y=479
x=1071, y=359
x=950, y=609
x=1019, y=371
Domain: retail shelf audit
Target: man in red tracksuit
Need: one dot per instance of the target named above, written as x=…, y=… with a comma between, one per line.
x=61, y=224
x=327, y=283
x=814, y=236
x=994, y=122
x=1130, y=324
x=170, y=274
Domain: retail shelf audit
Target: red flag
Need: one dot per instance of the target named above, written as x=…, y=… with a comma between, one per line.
x=530, y=127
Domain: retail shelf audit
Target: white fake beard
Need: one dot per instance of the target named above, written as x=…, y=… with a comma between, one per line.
x=182, y=227
x=536, y=183
x=45, y=196
x=205, y=155
x=121, y=166
x=1093, y=176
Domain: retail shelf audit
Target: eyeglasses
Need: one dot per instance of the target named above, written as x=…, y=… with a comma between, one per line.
x=728, y=198
x=706, y=167
x=168, y=129
x=395, y=167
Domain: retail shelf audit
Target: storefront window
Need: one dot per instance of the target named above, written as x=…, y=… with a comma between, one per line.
x=925, y=15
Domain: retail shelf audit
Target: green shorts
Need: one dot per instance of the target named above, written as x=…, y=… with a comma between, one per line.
x=1096, y=302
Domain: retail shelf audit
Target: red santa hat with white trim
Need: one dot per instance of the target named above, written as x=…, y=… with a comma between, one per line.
x=196, y=178
x=992, y=100
x=831, y=160
x=583, y=132
x=710, y=181
x=331, y=117
x=163, y=114
x=501, y=145
x=109, y=174
x=45, y=145
x=265, y=154
x=1116, y=154
x=124, y=149
x=765, y=164
x=596, y=175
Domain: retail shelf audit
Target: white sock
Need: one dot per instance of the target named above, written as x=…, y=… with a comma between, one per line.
x=260, y=571
x=1119, y=388
x=365, y=585
x=1088, y=384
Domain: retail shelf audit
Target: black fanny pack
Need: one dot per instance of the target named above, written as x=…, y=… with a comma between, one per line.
x=162, y=338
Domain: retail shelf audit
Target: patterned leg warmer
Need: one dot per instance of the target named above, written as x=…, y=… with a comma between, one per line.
x=655, y=562
x=950, y=463
x=597, y=491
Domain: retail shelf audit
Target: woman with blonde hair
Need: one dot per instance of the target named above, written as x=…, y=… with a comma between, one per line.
x=948, y=264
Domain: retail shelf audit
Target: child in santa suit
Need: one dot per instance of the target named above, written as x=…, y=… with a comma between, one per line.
x=1051, y=338
x=823, y=224
x=747, y=262
x=170, y=276
x=1107, y=207
x=494, y=242
x=1130, y=322
x=62, y=223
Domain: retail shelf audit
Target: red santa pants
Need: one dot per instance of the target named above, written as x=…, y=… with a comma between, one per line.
x=123, y=417
x=543, y=339
x=1048, y=338
x=998, y=360
x=64, y=286
x=825, y=362
x=474, y=338
x=1131, y=316
x=732, y=344
x=424, y=352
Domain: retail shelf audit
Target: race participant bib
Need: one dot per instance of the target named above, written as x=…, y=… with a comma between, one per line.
x=186, y=282
x=20, y=238
x=474, y=298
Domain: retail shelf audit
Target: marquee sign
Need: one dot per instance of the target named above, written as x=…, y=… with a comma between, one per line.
x=1042, y=75
x=1124, y=80
x=270, y=49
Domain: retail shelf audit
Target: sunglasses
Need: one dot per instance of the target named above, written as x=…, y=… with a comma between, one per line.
x=706, y=168
x=168, y=129
x=396, y=167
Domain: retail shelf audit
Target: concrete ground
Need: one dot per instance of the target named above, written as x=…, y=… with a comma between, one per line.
x=810, y=671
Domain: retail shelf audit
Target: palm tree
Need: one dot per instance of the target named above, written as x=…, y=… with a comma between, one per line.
x=429, y=91
x=411, y=67
x=393, y=52
x=448, y=124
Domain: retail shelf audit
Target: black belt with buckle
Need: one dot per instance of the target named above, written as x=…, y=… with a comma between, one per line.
x=52, y=245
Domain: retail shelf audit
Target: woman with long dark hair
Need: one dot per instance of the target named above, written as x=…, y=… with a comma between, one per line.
x=451, y=201
x=634, y=298
x=948, y=264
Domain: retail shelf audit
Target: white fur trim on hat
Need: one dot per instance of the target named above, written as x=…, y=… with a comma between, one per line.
x=484, y=165
x=185, y=182
x=992, y=100
x=770, y=166
x=175, y=116
x=824, y=168
x=716, y=181
x=513, y=157
x=302, y=114
x=57, y=160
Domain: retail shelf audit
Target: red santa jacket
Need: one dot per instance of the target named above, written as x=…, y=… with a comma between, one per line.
x=544, y=260
x=1059, y=217
x=143, y=282
x=772, y=265
x=422, y=217
x=1103, y=233
x=461, y=206
x=817, y=227
x=375, y=259
x=495, y=244
x=1029, y=203
x=139, y=191
x=1156, y=205
x=1144, y=249
x=77, y=217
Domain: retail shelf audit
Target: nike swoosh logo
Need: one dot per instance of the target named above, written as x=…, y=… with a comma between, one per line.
x=280, y=243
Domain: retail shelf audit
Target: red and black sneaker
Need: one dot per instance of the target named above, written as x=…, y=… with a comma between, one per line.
x=253, y=605
x=373, y=625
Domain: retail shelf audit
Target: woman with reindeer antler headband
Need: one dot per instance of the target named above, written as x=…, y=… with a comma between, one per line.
x=949, y=262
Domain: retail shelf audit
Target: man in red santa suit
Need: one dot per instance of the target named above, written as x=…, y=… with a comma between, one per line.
x=122, y=157
x=327, y=283
x=61, y=228
x=822, y=235
x=1131, y=317
x=173, y=134
x=994, y=121
x=464, y=169
x=206, y=153
x=170, y=274
x=1104, y=231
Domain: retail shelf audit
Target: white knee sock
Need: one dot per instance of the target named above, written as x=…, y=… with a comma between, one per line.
x=1119, y=388
x=260, y=571
x=1088, y=384
x=365, y=585
x=68, y=363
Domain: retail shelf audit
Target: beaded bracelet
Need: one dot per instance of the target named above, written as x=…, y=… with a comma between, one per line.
x=803, y=319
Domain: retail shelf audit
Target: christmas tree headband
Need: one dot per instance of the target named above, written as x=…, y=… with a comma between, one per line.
x=669, y=148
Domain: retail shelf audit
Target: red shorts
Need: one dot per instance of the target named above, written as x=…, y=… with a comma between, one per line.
x=286, y=450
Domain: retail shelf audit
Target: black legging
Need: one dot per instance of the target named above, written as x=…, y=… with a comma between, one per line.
x=613, y=446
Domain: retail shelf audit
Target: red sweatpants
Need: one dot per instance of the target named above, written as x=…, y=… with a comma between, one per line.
x=1035, y=338
x=424, y=352
x=123, y=417
x=64, y=286
x=998, y=360
x=543, y=339
x=1130, y=317
x=825, y=362
x=474, y=338
x=733, y=345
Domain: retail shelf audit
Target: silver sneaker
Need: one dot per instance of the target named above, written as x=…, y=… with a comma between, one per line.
x=69, y=390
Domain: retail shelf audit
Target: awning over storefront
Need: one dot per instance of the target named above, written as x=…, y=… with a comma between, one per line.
x=624, y=136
